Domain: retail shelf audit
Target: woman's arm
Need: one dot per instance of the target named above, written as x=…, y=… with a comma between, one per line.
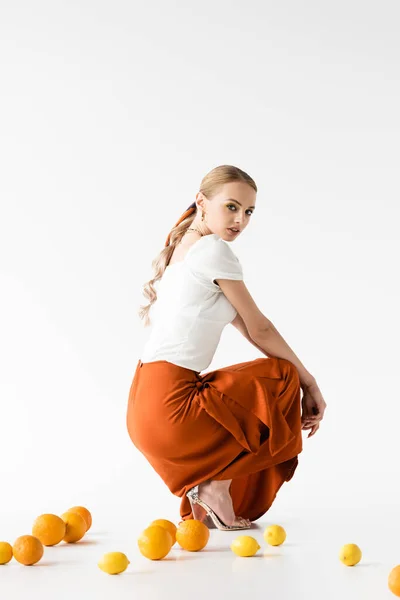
x=260, y=331
x=272, y=339
x=313, y=405
x=241, y=326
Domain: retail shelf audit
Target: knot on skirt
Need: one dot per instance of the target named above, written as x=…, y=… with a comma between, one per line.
x=200, y=385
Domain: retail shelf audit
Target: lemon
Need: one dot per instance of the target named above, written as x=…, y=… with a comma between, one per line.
x=350, y=554
x=275, y=535
x=245, y=545
x=113, y=562
x=6, y=553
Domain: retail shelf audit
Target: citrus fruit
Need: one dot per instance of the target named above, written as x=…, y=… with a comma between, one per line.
x=84, y=513
x=75, y=527
x=155, y=542
x=27, y=549
x=245, y=545
x=192, y=535
x=6, y=553
x=113, y=562
x=394, y=580
x=168, y=525
x=275, y=535
x=49, y=529
x=350, y=554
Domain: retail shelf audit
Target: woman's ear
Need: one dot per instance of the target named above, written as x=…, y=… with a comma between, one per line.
x=200, y=200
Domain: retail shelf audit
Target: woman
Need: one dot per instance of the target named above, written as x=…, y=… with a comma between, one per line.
x=224, y=441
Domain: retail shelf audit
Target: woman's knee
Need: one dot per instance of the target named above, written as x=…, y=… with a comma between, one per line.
x=289, y=370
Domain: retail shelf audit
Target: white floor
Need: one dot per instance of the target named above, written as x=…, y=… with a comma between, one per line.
x=305, y=566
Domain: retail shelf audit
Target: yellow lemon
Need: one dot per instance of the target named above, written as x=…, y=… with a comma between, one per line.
x=245, y=545
x=6, y=553
x=168, y=525
x=155, y=542
x=274, y=535
x=394, y=580
x=113, y=562
x=350, y=554
x=192, y=535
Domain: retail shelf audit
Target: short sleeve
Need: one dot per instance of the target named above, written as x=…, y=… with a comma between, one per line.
x=211, y=258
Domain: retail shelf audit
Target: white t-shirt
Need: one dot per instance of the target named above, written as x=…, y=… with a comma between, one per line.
x=187, y=319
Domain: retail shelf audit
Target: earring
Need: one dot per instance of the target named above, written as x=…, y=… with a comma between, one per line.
x=202, y=216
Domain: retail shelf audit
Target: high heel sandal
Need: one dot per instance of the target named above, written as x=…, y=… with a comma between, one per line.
x=193, y=495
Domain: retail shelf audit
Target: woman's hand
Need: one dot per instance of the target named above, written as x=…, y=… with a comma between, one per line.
x=313, y=408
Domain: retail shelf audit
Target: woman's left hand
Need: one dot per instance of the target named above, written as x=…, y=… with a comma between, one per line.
x=313, y=408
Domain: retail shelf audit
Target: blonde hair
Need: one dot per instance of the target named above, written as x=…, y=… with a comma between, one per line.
x=209, y=186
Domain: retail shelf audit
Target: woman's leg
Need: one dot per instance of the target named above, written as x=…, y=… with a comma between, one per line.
x=265, y=401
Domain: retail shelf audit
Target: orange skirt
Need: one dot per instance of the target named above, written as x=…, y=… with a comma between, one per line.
x=240, y=422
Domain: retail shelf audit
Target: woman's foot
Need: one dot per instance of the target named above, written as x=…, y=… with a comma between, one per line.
x=216, y=495
x=200, y=515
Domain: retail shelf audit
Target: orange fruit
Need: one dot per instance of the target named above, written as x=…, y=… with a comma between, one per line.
x=27, y=549
x=192, y=535
x=394, y=580
x=76, y=527
x=6, y=553
x=168, y=525
x=49, y=529
x=84, y=513
x=155, y=542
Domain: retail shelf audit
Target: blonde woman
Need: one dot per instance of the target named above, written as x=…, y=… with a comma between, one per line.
x=226, y=440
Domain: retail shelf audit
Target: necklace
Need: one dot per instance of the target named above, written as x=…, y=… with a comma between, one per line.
x=189, y=229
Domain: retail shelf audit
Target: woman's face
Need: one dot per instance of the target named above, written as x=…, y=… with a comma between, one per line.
x=231, y=207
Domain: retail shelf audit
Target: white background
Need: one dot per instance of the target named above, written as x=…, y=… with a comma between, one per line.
x=110, y=115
